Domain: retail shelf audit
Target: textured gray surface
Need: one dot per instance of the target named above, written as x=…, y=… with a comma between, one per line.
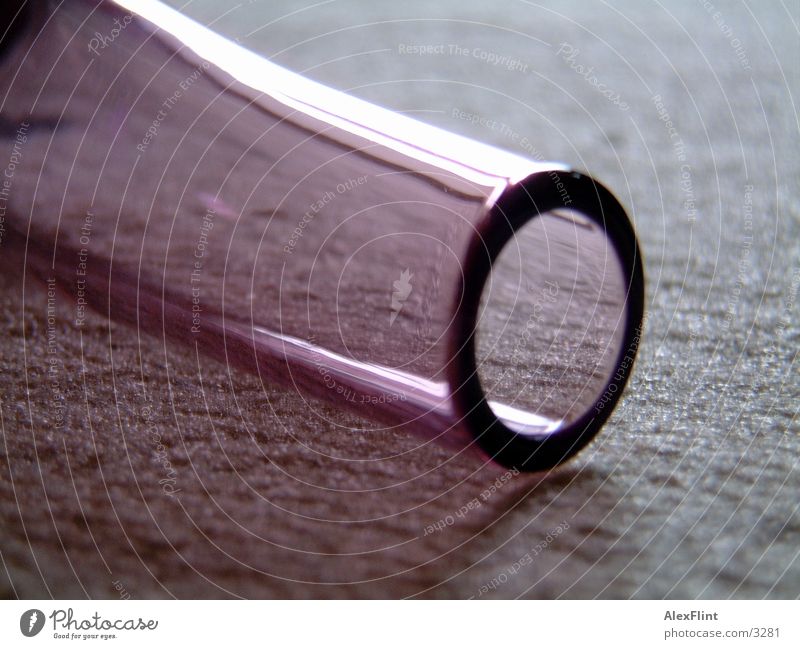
x=691, y=489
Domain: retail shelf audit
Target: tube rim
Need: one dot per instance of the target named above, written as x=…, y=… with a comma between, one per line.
x=515, y=207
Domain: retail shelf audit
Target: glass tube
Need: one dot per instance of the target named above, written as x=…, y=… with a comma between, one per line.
x=182, y=184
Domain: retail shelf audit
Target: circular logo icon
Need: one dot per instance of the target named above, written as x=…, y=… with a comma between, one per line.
x=31, y=622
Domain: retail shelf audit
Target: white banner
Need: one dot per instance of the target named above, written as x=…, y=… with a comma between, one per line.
x=400, y=624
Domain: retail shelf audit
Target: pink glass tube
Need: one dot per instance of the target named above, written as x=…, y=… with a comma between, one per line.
x=177, y=182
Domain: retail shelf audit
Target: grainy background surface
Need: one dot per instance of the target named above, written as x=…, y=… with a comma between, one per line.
x=690, y=490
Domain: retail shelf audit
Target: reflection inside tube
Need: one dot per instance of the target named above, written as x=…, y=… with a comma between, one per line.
x=550, y=323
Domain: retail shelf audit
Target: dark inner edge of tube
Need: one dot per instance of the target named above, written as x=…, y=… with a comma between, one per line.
x=536, y=195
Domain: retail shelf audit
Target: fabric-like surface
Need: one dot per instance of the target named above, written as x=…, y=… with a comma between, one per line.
x=690, y=115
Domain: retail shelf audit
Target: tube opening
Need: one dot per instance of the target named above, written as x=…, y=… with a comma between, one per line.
x=550, y=323
x=551, y=319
